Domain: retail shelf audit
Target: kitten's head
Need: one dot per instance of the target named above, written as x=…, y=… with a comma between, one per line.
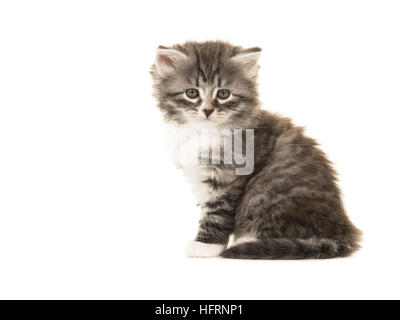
x=209, y=83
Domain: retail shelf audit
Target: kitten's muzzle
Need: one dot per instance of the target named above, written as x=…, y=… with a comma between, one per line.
x=207, y=112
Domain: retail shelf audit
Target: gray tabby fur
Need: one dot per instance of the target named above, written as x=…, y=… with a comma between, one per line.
x=290, y=205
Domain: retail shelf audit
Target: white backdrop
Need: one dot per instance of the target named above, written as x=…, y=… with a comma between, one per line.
x=91, y=206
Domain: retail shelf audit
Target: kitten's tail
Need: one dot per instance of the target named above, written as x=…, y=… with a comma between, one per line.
x=291, y=249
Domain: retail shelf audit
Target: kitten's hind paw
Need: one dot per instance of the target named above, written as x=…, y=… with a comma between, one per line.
x=196, y=249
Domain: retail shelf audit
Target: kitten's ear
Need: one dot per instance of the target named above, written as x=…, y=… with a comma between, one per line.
x=168, y=60
x=247, y=59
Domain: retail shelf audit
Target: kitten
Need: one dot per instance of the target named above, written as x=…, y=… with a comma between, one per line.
x=288, y=206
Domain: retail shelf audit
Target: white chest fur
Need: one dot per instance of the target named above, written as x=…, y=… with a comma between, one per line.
x=196, y=175
x=188, y=146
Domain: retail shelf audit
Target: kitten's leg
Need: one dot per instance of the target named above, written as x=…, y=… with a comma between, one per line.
x=216, y=225
x=217, y=190
x=215, y=228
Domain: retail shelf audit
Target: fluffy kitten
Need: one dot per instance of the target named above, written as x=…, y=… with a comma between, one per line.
x=289, y=206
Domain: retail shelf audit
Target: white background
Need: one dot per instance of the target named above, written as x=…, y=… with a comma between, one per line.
x=91, y=206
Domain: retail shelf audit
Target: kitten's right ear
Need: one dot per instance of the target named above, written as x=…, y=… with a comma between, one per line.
x=247, y=59
x=168, y=60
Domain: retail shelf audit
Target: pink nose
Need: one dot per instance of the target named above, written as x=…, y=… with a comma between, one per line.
x=207, y=112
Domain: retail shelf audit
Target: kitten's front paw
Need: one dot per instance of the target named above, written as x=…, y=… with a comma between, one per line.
x=196, y=249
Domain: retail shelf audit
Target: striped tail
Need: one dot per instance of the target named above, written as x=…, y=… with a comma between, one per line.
x=291, y=249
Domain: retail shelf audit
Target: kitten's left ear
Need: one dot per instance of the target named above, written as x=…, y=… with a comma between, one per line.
x=247, y=59
x=168, y=60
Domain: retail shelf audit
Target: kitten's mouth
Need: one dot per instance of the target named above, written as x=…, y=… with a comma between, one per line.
x=205, y=119
x=211, y=119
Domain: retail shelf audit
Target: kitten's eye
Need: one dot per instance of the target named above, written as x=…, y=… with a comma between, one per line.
x=192, y=93
x=223, y=94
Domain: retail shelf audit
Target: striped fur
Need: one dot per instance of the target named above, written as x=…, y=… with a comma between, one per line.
x=289, y=207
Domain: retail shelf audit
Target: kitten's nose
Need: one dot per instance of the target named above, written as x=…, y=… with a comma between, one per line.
x=207, y=112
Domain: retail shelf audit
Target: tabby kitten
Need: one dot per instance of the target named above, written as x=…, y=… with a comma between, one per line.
x=288, y=206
